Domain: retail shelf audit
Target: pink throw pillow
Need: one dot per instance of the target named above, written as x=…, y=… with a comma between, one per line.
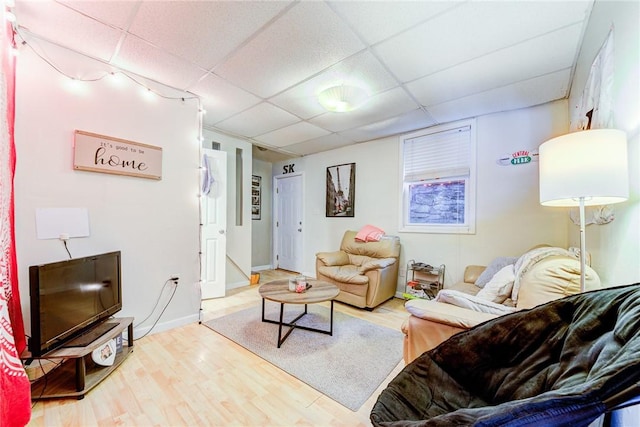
x=369, y=233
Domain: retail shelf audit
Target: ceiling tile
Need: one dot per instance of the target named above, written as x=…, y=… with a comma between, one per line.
x=324, y=143
x=518, y=95
x=221, y=99
x=116, y=13
x=298, y=132
x=203, y=32
x=506, y=66
x=258, y=120
x=413, y=120
x=140, y=57
x=362, y=69
x=307, y=39
x=380, y=107
x=481, y=28
x=378, y=20
x=75, y=32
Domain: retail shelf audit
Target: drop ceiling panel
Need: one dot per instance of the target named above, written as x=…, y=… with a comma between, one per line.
x=376, y=21
x=383, y=106
x=203, y=32
x=221, y=99
x=362, y=69
x=140, y=57
x=518, y=95
x=298, y=132
x=480, y=28
x=308, y=38
x=416, y=119
x=503, y=67
x=74, y=34
x=324, y=143
x=115, y=13
x=258, y=120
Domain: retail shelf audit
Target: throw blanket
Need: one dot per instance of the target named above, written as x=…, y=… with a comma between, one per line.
x=529, y=259
x=15, y=391
x=559, y=364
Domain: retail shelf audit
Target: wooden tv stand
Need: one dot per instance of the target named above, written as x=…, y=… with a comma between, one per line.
x=78, y=374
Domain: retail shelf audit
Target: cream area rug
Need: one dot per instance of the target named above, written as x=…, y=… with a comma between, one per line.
x=347, y=366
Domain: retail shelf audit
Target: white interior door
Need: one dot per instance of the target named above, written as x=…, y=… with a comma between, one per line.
x=288, y=223
x=213, y=218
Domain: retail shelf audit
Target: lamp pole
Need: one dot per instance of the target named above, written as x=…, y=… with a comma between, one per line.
x=583, y=245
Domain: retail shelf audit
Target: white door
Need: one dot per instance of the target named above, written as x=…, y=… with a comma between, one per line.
x=213, y=219
x=288, y=223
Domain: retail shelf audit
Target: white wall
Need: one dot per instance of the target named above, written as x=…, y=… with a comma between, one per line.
x=509, y=217
x=154, y=223
x=615, y=247
x=261, y=233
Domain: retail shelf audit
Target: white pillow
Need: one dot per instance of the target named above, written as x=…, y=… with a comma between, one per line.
x=493, y=267
x=498, y=289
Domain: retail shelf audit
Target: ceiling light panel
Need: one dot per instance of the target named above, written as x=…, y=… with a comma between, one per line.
x=360, y=69
x=481, y=28
x=395, y=102
x=73, y=34
x=203, y=32
x=308, y=38
x=258, y=120
x=506, y=66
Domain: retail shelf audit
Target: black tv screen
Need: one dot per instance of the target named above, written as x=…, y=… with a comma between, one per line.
x=69, y=297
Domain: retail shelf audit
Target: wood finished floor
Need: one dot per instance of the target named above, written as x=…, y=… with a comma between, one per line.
x=191, y=376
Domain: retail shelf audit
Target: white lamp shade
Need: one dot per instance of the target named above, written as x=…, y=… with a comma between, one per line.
x=590, y=164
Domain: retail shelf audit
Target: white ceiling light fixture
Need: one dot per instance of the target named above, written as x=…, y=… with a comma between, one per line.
x=343, y=97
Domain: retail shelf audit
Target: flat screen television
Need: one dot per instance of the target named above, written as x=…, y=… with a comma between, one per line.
x=69, y=297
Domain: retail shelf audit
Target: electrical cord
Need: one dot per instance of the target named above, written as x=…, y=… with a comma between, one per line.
x=45, y=378
x=156, y=305
x=67, y=248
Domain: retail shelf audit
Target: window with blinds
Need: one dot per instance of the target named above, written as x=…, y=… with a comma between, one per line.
x=438, y=179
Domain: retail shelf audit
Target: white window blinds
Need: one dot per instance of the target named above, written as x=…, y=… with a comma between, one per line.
x=437, y=155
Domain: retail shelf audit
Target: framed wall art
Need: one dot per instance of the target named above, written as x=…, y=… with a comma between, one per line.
x=256, y=183
x=341, y=190
x=105, y=154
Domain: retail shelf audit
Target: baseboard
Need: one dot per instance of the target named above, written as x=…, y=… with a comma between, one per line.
x=239, y=284
x=162, y=326
x=262, y=267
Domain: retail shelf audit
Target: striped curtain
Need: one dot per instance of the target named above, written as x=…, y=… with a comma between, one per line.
x=15, y=390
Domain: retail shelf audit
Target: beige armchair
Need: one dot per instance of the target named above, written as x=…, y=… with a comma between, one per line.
x=365, y=272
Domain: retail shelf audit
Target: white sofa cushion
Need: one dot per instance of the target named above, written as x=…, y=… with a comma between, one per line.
x=498, y=289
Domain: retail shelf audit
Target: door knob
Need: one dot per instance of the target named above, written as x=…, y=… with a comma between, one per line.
x=221, y=231
x=299, y=229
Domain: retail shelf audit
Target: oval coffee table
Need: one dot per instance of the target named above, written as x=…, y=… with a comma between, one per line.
x=278, y=291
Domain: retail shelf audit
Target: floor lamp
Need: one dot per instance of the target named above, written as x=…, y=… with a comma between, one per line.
x=581, y=169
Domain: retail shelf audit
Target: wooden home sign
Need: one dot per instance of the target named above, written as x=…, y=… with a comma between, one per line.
x=99, y=153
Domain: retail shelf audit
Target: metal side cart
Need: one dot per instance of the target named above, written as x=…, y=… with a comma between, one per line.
x=423, y=280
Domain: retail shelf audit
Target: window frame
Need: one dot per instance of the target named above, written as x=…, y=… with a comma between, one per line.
x=468, y=227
